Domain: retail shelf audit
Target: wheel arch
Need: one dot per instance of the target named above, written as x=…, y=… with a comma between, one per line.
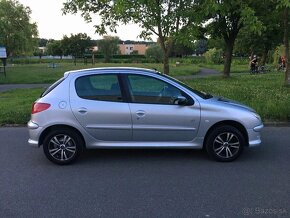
x=233, y=123
x=59, y=127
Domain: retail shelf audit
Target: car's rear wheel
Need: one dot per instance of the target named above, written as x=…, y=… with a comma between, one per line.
x=225, y=143
x=62, y=146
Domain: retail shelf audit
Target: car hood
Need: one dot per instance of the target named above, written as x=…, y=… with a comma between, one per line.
x=232, y=102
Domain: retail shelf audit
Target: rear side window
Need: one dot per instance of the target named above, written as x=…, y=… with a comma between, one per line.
x=50, y=88
x=100, y=87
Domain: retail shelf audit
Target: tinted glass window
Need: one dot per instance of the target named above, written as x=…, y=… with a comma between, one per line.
x=50, y=88
x=144, y=89
x=99, y=87
x=199, y=93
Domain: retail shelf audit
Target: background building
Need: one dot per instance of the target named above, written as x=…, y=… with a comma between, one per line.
x=127, y=49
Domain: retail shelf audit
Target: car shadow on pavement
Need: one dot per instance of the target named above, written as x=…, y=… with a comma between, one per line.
x=119, y=155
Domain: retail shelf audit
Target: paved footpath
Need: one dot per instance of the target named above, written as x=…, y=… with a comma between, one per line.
x=204, y=72
x=7, y=87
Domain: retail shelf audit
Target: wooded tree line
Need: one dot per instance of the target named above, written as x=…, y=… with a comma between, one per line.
x=246, y=26
x=75, y=45
x=108, y=46
x=260, y=23
x=80, y=44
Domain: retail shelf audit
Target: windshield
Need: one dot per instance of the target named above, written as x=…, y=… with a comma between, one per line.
x=201, y=94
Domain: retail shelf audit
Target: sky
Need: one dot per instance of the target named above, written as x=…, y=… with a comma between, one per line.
x=53, y=25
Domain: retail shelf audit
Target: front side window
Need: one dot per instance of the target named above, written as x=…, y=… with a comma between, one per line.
x=99, y=87
x=144, y=89
x=201, y=94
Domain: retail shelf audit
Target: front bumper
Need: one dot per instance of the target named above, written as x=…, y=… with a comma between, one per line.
x=255, y=135
x=33, y=143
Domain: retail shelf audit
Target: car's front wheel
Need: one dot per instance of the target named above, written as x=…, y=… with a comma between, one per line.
x=62, y=146
x=225, y=143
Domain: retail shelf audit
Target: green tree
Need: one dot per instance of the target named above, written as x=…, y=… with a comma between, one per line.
x=285, y=5
x=54, y=47
x=200, y=46
x=179, y=49
x=42, y=42
x=162, y=18
x=75, y=45
x=154, y=52
x=225, y=19
x=17, y=33
x=108, y=46
x=216, y=42
x=249, y=42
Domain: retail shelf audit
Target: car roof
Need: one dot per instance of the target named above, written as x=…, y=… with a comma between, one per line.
x=110, y=69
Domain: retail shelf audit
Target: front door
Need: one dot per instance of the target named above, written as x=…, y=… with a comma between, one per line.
x=156, y=116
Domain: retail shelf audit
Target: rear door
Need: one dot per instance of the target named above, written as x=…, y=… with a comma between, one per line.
x=99, y=106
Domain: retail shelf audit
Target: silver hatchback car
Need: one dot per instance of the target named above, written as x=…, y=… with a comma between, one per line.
x=135, y=107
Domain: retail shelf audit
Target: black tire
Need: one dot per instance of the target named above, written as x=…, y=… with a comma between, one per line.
x=225, y=143
x=62, y=146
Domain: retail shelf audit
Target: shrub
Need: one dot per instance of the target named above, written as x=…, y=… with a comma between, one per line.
x=279, y=51
x=213, y=56
x=154, y=52
x=240, y=60
x=188, y=60
x=131, y=56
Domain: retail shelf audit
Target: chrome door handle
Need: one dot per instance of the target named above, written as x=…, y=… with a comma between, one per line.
x=82, y=110
x=140, y=113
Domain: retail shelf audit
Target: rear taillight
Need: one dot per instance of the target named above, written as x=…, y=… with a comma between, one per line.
x=38, y=107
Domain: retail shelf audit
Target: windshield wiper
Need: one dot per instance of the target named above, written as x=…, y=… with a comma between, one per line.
x=208, y=96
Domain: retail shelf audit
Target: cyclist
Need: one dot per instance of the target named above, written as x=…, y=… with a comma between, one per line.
x=254, y=64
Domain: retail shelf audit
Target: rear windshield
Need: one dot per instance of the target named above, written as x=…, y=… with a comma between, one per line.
x=50, y=88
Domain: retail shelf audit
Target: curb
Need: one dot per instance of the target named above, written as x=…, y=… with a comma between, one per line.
x=277, y=124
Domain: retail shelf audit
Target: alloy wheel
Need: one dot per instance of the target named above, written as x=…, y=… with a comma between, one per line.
x=226, y=145
x=62, y=147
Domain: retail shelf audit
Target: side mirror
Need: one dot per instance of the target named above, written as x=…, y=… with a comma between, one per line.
x=181, y=100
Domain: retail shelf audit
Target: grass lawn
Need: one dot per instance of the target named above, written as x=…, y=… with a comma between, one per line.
x=41, y=73
x=235, y=68
x=263, y=92
x=15, y=106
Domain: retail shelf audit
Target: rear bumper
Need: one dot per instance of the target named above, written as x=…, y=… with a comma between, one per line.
x=255, y=135
x=32, y=125
x=34, y=133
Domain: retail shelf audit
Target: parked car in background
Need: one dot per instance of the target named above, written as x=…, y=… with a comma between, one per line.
x=137, y=108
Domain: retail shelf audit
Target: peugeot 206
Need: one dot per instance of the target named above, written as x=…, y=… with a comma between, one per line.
x=137, y=108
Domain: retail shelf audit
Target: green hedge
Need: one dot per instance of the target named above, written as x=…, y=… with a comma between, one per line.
x=100, y=58
x=36, y=61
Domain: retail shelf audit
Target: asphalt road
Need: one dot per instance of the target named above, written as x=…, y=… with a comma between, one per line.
x=145, y=183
